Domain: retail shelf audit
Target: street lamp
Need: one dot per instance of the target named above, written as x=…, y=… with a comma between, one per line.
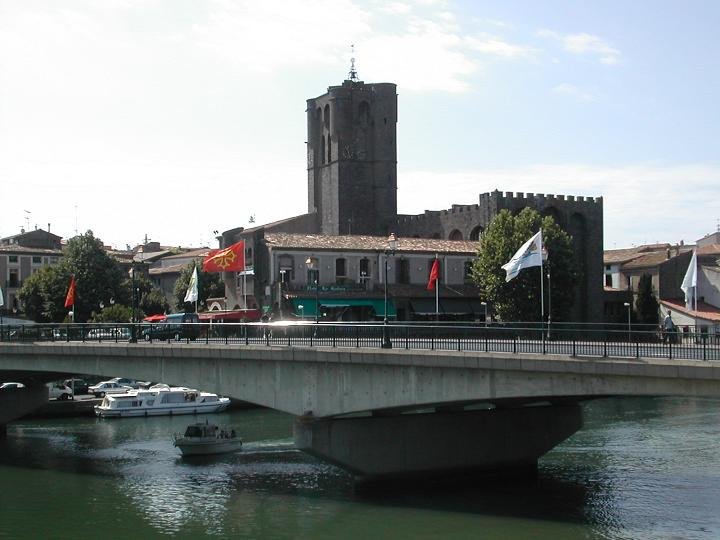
x=135, y=290
x=484, y=305
x=627, y=305
x=280, y=298
x=390, y=250
x=313, y=267
x=302, y=311
x=549, y=304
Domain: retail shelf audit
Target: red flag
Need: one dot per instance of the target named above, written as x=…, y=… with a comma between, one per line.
x=230, y=259
x=434, y=274
x=70, y=298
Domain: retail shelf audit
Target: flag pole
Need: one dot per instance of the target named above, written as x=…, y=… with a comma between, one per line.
x=437, y=294
x=695, y=288
x=542, y=292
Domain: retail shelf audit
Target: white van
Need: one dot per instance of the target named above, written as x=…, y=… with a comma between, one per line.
x=58, y=390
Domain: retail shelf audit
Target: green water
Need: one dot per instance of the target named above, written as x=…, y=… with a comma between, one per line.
x=640, y=468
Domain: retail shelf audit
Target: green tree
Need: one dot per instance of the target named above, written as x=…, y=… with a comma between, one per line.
x=646, y=304
x=98, y=278
x=210, y=285
x=519, y=299
x=115, y=313
x=154, y=302
x=43, y=294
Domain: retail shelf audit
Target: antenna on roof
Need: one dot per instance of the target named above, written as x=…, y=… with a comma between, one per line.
x=353, y=76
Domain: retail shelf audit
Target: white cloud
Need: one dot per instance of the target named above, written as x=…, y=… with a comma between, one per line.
x=584, y=43
x=641, y=203
x=494, y=46
x=577, y=93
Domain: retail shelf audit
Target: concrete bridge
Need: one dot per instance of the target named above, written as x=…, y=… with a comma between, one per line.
x=388, y=413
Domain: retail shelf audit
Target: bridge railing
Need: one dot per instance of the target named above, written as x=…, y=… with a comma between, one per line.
x=563, y=339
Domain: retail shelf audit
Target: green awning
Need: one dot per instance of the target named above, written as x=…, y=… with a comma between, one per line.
x=308, y=304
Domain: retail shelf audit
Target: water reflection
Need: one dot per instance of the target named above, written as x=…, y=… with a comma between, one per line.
x=645, y=468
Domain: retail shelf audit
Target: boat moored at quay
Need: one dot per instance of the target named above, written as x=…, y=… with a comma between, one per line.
x=160, y=399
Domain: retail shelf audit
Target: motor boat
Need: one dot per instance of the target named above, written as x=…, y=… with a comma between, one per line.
x=206, y=438
x=160, y=399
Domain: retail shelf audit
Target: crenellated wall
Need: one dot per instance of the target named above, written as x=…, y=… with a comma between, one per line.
x=581, y=217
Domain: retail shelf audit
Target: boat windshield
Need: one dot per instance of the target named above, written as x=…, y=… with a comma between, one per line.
x=193, y=431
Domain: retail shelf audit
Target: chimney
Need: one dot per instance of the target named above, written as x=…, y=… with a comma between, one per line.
x=48, y=227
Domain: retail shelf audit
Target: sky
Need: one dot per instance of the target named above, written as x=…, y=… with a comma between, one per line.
x=172, y=119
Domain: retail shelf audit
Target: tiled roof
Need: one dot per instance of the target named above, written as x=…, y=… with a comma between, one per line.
x=172, y=269
x=615, y=256
x=648, y=260
x=197, y=252
x=704, y=311
x=369, y=243
x=710, y=249
x=20, y=250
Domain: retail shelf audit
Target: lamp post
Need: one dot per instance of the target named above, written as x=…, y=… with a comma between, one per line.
x=313, y=267
x=302, y=311
x=390, y=250
x=549, y=303
x=280, y=299
x=484, y=305
x=627, y=305
x=135, y=300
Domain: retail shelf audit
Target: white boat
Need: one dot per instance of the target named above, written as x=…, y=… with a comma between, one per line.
x=161, y=399
x=205, y=438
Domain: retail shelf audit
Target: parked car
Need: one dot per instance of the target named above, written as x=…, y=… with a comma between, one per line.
x=59, y=391
x=11, y=386
x=176, y=326
x=80, y=386
x=97, y=334
x=132, y=383
x=107, y=387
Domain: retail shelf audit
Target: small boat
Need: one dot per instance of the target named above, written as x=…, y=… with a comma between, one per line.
x=205, y=438
x=161, y=399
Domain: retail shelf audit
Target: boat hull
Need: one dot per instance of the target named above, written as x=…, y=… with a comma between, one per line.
x=204, y=448
x=205, y=408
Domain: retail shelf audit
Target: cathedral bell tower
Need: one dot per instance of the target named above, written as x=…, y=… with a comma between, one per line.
x=352, y=157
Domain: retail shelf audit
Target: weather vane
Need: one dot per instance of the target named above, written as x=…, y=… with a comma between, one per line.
x=353, y=74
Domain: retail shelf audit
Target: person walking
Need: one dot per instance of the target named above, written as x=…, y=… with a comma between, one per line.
x=668, y=328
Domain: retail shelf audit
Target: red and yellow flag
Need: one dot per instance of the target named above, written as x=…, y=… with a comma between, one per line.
x=230, y=259
x=434, y=275
x=70, y=297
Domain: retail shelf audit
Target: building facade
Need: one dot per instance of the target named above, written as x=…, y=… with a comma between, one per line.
x=352, y=190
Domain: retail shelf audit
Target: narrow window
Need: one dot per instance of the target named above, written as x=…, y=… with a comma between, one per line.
x=322, y=149
x=329, y=150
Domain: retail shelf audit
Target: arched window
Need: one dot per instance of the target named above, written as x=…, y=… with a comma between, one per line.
x=475, y=233
x=329, y=150
x=322, y=149
x=326, y=116
x=455, y=235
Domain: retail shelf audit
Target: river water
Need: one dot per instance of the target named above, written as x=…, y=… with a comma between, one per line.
x=640, y=468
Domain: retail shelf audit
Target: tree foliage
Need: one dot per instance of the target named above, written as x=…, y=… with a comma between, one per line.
x=519, y=299
x=646, y=304
x=210, y=285
x=99, y=279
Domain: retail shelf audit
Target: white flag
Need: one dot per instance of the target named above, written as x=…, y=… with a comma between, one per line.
x=192, y=292
x=2, y=300
x=690, y=280
x=529, y=254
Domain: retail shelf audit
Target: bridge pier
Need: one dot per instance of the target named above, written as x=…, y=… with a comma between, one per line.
x=17, y=403
x=440, y=444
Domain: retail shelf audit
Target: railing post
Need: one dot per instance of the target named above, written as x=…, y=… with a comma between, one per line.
x=637, y=349
x=670, y=348
x=515, y=344
x=574, y=353
x=704, y=349
x=357, y=336
x=542, y=336
x=605, y=347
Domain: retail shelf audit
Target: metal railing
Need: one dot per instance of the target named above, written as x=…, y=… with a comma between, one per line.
x=578, y=340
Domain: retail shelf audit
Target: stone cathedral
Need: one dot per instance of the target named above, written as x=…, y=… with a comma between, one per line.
x=352, y=189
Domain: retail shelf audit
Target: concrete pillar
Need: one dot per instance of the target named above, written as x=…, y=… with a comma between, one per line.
x=16, y=403
x=439, y=444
